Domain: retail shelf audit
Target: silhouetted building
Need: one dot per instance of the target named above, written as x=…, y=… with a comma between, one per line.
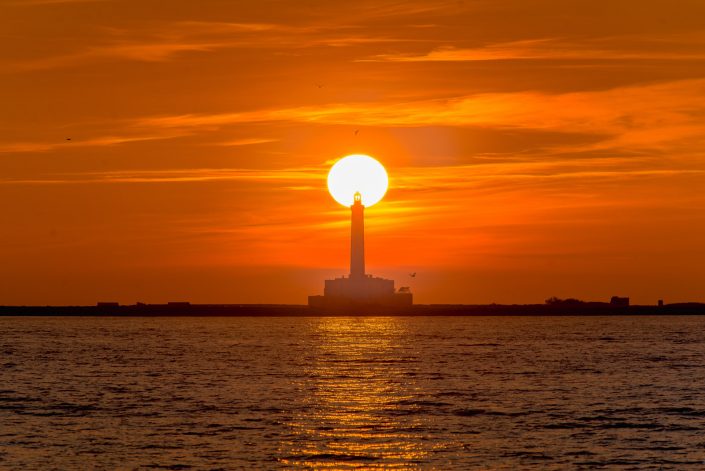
x=660, y=303
x=620, y=302
x=359, y=288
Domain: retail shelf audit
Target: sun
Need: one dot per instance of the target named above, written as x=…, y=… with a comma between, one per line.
x=357, y=173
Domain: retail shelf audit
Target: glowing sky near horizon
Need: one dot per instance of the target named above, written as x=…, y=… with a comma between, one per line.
x=537, y=149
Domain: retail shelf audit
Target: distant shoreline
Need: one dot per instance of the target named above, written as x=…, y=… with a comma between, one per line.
x=294, y=310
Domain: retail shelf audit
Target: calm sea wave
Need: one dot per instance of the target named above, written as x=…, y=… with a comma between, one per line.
x=342, y=393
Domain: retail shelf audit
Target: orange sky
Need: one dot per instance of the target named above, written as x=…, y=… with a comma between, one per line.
x=535, y=149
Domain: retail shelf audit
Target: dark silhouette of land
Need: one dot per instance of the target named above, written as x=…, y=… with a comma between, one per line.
x=560, y=308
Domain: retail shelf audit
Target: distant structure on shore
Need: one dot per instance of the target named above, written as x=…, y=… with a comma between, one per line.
x=619, y=301
x=359, y=288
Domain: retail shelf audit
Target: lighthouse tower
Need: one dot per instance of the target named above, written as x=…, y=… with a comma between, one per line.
x=358, y=289
x=357, y=238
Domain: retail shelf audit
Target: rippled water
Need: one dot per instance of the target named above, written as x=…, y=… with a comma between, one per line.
x=338, y=393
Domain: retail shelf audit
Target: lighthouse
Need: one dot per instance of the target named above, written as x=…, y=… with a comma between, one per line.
x=357, y=238
x=359, y=290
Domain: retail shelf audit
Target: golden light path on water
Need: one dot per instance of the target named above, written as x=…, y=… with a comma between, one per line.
x=357, y=382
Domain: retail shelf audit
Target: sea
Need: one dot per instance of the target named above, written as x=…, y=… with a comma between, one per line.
x=446, y=393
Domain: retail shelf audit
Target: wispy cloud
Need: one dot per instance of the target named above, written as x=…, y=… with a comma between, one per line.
x=465, y=177
x=25, y=3
x=643, y=116
x=678, y=47
x=101, y=141
x=283, y=177
x=406, y=179
x=166, y=41
x=247, y=142
x=155, y=51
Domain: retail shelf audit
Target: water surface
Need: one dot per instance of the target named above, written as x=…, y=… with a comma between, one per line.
x=343, y=393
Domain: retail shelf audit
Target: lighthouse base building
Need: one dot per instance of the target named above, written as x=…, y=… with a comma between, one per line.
x=360, y=289
x=360, y=292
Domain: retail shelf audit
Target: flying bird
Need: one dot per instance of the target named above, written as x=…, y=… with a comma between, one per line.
x=413, y=275
x=320, y=85
x=357, y=131
x=68, y=138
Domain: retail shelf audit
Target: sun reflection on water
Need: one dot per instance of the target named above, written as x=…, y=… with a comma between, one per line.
x=357, y=378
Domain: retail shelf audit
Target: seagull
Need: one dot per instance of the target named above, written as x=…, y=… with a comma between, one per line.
x=357, y=131
x=68, y=138
x=320, y=85
x=413, y=275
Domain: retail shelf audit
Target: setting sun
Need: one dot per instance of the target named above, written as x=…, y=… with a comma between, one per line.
x=357, y=173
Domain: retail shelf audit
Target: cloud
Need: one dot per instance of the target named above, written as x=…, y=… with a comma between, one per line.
x=635, y=117
x=501, y=175
x=23, y=147
x=247, y=142
x=406, y=179
x=677, y=47
x=639, y=119
x=285, y=177
x=24, y=3
x=166, y=41
x=102, y=141
x=136, y=51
